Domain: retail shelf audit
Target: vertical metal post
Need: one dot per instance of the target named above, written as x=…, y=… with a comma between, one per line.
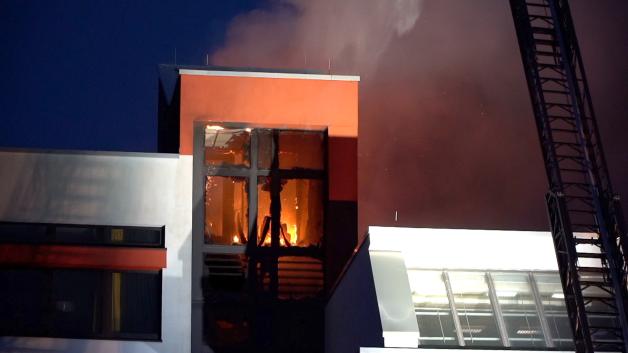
x=549, y=341
x=198, y=213
x=275, y=213
x=497, y=310
x=251, y=245
x=454, y=311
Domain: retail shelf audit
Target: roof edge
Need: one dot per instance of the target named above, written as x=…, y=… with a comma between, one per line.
x=268, y=74
x=88, y=152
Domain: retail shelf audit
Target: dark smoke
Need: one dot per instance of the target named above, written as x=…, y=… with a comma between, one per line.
x=447, y=136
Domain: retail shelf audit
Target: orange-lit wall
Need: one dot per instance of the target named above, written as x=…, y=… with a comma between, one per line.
x=277, y=101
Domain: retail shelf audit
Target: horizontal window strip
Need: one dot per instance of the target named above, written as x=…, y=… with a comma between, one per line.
x=81, y=234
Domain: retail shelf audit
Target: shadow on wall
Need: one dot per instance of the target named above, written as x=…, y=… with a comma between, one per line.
x=60, y=188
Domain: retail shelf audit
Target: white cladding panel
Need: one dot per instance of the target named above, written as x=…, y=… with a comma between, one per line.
x=442, y=350
x=108, y=189
x=428, y=248
x=394, y=299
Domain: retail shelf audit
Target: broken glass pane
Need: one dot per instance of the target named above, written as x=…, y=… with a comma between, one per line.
x=227, y=147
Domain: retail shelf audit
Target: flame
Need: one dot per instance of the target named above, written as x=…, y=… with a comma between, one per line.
x=292, y=237
x=236, y=240
x=293, y=234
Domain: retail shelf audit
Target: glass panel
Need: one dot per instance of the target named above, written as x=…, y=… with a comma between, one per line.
x=226, y=210
x=264, y=148
x=301, y=149
x=301, y=212
x=227, y=147
x=38, y=233
x=431, y=306
x=474, y=309
x=552, y=297
x=48, y=302
x=516, y=300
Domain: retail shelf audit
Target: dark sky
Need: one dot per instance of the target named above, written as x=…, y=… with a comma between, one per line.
x=447, y=136
x=83, y=74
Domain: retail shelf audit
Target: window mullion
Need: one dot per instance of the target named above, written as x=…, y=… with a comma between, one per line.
x=454, y=311
x=540, y=311
x=497, y=311
x=252, y=237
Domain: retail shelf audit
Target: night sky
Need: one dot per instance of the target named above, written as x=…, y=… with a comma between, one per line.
x=447, y=136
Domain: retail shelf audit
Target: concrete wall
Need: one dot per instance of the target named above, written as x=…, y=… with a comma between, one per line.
x=116, y=189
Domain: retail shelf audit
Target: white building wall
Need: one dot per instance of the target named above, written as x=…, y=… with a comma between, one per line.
x=133, y=189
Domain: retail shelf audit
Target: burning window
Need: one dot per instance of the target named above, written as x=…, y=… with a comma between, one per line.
x=289, y=179
x=301, y=215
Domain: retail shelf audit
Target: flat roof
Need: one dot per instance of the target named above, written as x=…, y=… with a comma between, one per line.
x=268, y=74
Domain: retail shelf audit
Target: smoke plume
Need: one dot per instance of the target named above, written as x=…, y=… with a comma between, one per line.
x=447, y=136
x=345, y=35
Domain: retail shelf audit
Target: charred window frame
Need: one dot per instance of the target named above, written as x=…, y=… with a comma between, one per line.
x=245, y=262
x=251, y=173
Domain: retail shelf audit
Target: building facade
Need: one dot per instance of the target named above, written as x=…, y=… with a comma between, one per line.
x=449, y=289
x=224, y=241
x=240, y=235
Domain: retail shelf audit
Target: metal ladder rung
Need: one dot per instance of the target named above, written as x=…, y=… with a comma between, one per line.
x=543, y=30
x=581, y=211
x=591, y=255
x=564, y=130
x=555, y=91
x=591, y=242
x=595, y=283
x=592, y=269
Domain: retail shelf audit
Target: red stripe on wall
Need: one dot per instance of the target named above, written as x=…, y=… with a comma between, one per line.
x=62, y=256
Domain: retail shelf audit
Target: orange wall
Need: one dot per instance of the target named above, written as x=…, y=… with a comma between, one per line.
x=278, y=101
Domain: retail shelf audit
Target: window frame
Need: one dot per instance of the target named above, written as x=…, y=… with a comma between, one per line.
x=255, y=255
x=549, y=342
x=45, y=240
x=251, y=174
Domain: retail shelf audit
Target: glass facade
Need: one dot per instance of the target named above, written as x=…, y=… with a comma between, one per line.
x=522, y=310
x=475, y=310
x=263, y=207
x=518, y=308
x=431, y=305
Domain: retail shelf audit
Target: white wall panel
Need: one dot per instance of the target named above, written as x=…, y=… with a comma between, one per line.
x=109, y=189
x=468, y=249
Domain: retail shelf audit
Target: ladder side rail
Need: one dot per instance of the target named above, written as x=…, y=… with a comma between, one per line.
x=526, y=41
x=567, y=266
x=585, y=97
x=598, y=178
x=617, y=225
x=558, y=215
